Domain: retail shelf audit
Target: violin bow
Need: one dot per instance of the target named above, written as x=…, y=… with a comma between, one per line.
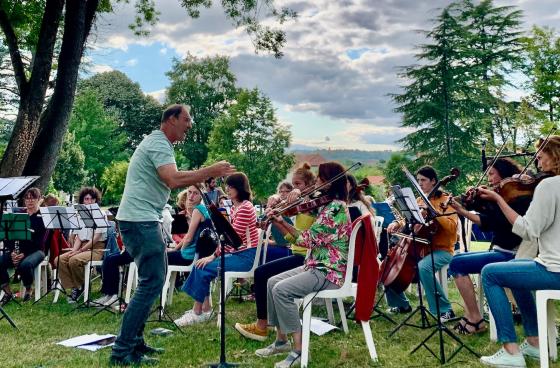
x=544, y=143
x=496, y=157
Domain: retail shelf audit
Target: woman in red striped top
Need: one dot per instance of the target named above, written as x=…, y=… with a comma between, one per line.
x=244, y=218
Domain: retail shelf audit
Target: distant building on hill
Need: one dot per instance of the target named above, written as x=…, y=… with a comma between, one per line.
x=376, y=179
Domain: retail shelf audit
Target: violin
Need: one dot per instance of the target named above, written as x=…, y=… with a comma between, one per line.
x=294, y=209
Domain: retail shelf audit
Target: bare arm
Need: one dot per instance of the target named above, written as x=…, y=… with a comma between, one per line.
x=195, y=221
x=509, y=212
x=174, y=178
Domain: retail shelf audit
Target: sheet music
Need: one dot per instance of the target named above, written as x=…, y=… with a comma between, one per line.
x=407, y=205
x=92, y=216
x=11, y=188
x=67, y=220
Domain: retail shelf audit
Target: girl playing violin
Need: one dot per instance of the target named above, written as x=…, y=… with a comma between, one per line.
x=503, y=246
x=443, y=243
x=541, y=223
x=302, y=178
x=325, y=268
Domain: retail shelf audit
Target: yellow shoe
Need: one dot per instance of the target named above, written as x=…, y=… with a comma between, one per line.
x=252, y=331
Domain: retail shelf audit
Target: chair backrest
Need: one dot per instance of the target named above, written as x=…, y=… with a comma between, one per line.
x=468, y=233
x=351, y=249
x=266, y=240
x=262, y=236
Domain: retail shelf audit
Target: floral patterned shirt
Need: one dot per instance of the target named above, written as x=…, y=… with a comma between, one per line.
x=328, y=239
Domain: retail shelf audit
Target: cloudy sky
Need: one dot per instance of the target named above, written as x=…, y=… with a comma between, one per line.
x=339, y=64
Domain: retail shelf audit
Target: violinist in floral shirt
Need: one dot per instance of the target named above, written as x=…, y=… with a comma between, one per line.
x=325, y=268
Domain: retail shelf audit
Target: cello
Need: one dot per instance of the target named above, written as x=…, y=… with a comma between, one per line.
x=397, y=270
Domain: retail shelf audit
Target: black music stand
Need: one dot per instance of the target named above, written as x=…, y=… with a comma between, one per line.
x=12, y=188
x=93, y=218
x=406, y=204
x=61, y=218
x=440, y=328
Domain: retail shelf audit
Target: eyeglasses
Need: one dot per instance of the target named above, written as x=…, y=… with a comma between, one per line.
x=30, y=199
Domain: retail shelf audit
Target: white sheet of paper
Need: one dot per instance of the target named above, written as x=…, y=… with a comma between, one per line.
x=94, y=347
x=319, y=328
x=88, y=339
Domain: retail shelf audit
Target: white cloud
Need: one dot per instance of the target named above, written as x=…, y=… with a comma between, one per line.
x=131, y=62
x=163, y=50
x=99, y=68
x=158, y=95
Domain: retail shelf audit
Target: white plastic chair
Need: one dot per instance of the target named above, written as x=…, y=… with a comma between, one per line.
x=442, y=278
x=87, y=276
x=378, y=226
x=346, y=290
x=170, y=277
x=131, y=281
x=546, y=324
x=39, y=279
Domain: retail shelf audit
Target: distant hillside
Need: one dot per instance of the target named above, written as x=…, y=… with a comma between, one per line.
x=365, y=157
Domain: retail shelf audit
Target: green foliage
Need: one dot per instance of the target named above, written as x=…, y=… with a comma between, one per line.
x=23, y=18
x=69, y=173
x=97, y=133
x=112, y=182
x=207, y=85
x=393, y=169
x=249, y=136
x=135, y=112
x=543, y=69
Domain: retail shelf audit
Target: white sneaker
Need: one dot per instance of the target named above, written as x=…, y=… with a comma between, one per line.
x=274, y=349
x=503, y=359
x=111, y=299
x=191, y=318
x=102, y=300
x=292, y=360
x=529, y=350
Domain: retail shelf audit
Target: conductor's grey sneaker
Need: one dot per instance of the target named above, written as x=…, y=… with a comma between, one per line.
x=277, y=347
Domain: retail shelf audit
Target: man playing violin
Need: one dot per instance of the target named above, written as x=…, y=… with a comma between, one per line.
x=443, y=243
x=541, y=223
x=503, y=246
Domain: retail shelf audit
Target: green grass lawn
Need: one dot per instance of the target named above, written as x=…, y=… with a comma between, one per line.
x=44, y=324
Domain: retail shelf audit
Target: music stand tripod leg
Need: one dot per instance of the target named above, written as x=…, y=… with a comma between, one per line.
x=7, y=317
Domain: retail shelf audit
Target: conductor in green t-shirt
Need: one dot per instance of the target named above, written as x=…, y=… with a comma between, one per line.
x=152, y=173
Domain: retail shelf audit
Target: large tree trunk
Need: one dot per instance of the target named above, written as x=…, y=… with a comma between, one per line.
x=31, y=92
x=54, y=120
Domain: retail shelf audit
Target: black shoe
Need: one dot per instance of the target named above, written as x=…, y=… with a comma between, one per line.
x=399, y=310
x=132, y=359
x=26, y=297
x=148, y=350
x=6, y=299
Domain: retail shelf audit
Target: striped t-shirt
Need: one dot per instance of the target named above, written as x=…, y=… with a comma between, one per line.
x=242, y=217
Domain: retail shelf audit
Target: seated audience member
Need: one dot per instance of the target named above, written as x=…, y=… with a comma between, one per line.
x=27, y=254
x=86, y=246
x=49, y=200
x=301, y=178
x=523, y=276
x=503, y=246
x=213, y=191
x=278, y=246
x=243, y=219
x=325, y=268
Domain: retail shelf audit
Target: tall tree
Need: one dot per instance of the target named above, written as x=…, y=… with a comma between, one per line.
x=249, y=136
x=493, y=50
x=208, y=86
x=136, y=113
x=434, y=100
x=98, y=135
x=70, y=173
x=543, y=69
x=35, y=27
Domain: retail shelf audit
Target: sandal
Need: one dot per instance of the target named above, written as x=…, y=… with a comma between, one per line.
x=461, y=324
x=463, y=330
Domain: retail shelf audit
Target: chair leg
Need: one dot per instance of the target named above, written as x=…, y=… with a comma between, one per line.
x=306, y=332
x=342, y=315
x=56, y=285
x=87, y=272
x=543, y=330
x=369, y=340
x=166, y=287
x=171, y=287
x=37, y=280
x=551, y=327
x=130, y=281
x=330, y=312
x=493, y=332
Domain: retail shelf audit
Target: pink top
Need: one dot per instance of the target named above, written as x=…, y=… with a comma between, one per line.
x=242, y=217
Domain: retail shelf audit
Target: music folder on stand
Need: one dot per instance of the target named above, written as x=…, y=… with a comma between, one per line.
x=12, y=188
x=61, y=218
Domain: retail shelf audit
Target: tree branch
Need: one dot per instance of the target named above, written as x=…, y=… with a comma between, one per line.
x=15, y=56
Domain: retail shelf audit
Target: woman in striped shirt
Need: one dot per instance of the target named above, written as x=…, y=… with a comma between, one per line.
x=244, y=221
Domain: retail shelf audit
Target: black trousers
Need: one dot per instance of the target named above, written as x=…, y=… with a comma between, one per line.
x=265, y=272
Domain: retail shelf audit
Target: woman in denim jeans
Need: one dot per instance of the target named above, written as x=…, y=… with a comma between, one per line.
x=540, y=223
x=502, y=248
